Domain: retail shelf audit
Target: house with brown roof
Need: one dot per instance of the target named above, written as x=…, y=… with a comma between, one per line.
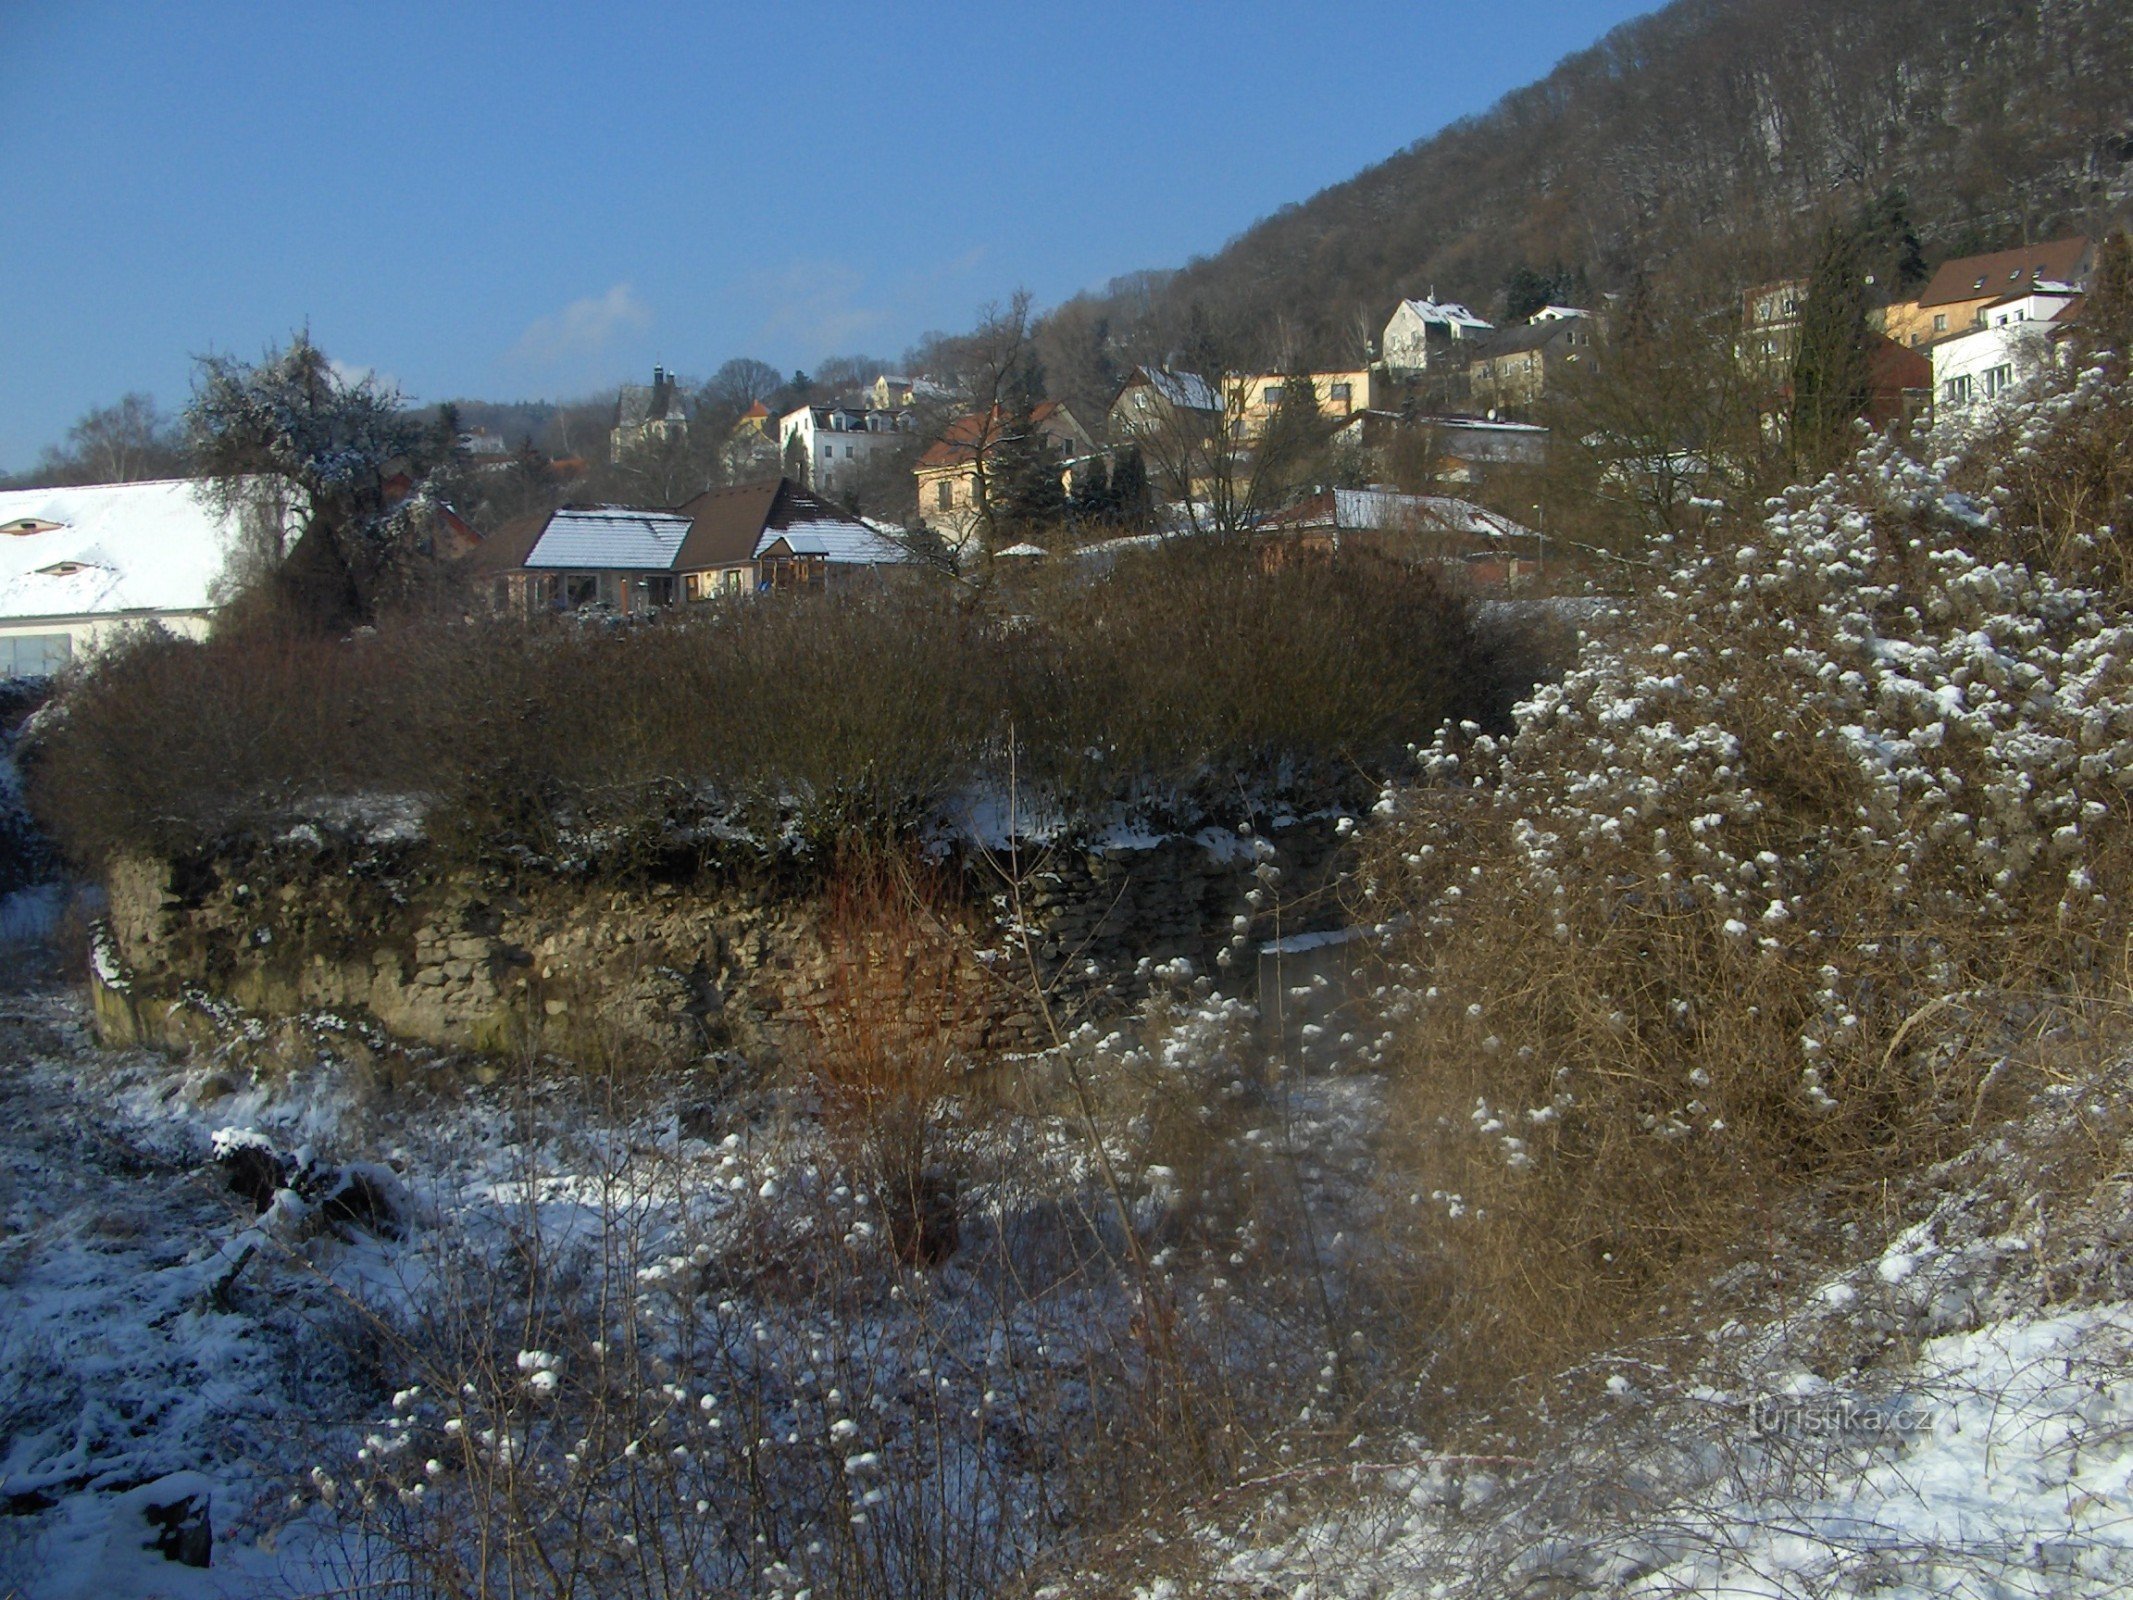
x=952, y=472
x=1959, y=296
x=722, y=544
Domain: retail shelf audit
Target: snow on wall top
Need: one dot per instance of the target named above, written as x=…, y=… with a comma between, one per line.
x=609, y=538
x=110, y=549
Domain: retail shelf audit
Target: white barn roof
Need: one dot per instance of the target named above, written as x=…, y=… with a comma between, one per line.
x=109, y=550
x=609, y=538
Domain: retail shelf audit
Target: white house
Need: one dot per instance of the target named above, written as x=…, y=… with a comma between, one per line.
x=2010, y=340
x=837, y=441
x=77, y=564
x=1420, y=332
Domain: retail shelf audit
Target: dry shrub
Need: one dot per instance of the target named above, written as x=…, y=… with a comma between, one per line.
x=803, y=720
x=2059, y=473
x=1761, y=894
x=884, y=1057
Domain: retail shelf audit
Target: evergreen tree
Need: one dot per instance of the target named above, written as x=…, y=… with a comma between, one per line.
x=1890, y=245
x=1832, y=373
x=1027, y=495
x=1292, y=448
x=1092, y=505
x=1132, y=500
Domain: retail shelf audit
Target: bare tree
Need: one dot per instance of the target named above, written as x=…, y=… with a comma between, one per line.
x=122, y=443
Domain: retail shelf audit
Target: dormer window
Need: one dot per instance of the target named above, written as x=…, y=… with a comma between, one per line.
x=62, y=569
x=28, y=525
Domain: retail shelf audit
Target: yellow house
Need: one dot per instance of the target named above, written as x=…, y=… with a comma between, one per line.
x=1955, y=299
x=1341, y=395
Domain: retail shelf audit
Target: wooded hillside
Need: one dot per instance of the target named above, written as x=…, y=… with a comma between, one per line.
x=1711, y=134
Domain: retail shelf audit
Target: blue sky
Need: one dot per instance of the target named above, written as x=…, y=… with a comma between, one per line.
x=537, y=200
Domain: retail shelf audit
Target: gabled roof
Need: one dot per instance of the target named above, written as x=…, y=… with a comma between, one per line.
x=1448, y=312
x=1188, y=391
x=2006, y=271
x=109, y=549
x=726, y=525
x=806, y=526
x=966, y=436
x=842, y=542
x=506, y=549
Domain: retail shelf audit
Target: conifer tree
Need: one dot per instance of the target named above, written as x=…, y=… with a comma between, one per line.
x=1832, y=373
x=1092, y=493
x=1132, y=501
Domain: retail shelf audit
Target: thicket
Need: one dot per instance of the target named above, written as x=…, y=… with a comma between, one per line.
x=1778, y=888
x=872, y=714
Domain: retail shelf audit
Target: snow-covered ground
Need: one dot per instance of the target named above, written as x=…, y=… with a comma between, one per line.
x=560, y=1261
x=125, y=1356
x=1949, y=1415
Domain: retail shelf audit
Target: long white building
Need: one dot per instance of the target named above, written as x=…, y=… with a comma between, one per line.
x=77, y=564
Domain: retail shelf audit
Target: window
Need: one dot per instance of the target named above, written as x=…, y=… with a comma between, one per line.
x=34, y=655
x=1998, y=380
x=944, y=495
x=580, y=589
x=1940, y=322
x=1341, y=393
x=1272, y=394
x=659, y=589
x=1956, y=391
x=850, y=451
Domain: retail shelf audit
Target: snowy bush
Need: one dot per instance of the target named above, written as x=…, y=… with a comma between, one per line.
x=1770, y=877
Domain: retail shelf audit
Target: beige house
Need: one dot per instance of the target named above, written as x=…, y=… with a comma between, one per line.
x=1960, y=295
x=1517, y=365
x=949, y=472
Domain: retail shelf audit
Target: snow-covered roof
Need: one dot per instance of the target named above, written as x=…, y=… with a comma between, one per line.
x=1184, y=389
x=1385, y=511
x=609, y=538
x=1381, y=508
x=836, y=539
x=109, y=549
x=1448, y=312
